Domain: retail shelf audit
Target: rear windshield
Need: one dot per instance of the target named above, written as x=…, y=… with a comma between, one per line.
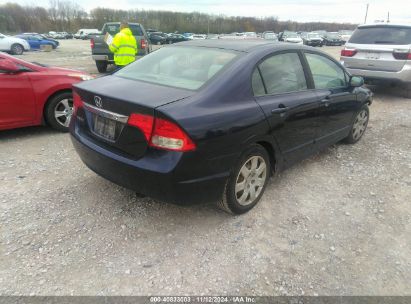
x=382, y=35
x=113, y=29
x=180, y=67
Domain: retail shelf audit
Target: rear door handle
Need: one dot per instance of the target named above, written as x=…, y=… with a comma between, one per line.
x=326, y=101
x=279, y=110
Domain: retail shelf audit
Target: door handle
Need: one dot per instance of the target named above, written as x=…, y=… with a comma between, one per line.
x=279, y=110
x=326, y=101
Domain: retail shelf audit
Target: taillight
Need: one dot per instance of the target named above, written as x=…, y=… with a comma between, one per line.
x=348, y=52
x=77, y=102
x=143, y=44
x=402, y=54
x=161, y=133
x=143, y=122
x=92, y=43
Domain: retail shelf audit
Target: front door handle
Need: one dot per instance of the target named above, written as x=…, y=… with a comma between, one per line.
x=326, y=101
x=279, y=110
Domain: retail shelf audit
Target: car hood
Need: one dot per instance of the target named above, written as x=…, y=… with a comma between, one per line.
x=293, y=39
x=133, y=91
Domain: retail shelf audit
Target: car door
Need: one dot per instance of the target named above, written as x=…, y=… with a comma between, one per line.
x=281, y=89
x=17, y=100
x=4, y=43
x=34, y=42
x=338, y=101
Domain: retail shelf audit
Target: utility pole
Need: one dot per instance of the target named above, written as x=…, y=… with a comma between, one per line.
x=366, y=13
x=388, y=17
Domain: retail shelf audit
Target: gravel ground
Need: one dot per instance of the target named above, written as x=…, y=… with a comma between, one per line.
x=338, y=223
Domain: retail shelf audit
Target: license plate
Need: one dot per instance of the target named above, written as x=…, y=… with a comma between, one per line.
x=105, y=127
x=372, y=56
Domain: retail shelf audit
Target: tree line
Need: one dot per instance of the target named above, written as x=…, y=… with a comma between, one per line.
x=69, y=16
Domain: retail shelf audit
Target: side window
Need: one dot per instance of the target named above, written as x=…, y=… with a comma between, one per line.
x=283, y=73
x=257, y=83
x=326, y=73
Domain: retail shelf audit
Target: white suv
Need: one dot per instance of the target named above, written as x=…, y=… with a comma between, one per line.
x=13, y=45
x=380, y=52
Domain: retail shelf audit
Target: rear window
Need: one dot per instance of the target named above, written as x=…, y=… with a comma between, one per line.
x=113, y=29
x=382, y=35
x=180, y=67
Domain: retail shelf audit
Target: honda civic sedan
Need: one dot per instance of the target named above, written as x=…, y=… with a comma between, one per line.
x=212, y=120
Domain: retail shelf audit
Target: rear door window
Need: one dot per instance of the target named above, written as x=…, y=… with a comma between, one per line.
x=382, y=35
x=326, y=73
x=283, y=73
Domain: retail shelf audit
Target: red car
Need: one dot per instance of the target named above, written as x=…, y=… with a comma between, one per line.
x=32, y=94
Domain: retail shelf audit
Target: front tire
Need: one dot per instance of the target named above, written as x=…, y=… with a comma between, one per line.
x=59, y=110
x=359, y=125
x=101, y=66
x=17, y=49
x=247, y=181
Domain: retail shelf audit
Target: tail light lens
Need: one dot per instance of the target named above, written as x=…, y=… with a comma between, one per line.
x=143, y=44
x=77, y=102
x=161, y=133
x=402, y=54
x=92, y=43
x=348, y=52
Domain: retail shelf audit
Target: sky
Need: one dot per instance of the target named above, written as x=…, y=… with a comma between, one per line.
x=297, y=10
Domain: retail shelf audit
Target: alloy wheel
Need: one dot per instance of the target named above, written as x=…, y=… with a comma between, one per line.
x=250, y=180
x=63, y=111
x=360, y=124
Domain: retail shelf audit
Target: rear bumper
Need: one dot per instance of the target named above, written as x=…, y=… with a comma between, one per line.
x=403, y=76
x=160, y=175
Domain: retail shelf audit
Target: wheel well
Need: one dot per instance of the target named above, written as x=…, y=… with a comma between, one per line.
x=271, y=153
x=48, y=101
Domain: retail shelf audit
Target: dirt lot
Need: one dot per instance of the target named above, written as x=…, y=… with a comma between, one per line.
x=338, y=223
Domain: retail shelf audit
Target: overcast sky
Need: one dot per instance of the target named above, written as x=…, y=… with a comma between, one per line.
x=298, y=10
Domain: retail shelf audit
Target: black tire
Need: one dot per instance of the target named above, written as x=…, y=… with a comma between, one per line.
x=17, y=49
x=55, y=105
x=230, y=201
x=101, y=66
x=354, y=137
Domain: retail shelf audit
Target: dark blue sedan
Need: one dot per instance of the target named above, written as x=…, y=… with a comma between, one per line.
x=205, y=121
x=36, y=41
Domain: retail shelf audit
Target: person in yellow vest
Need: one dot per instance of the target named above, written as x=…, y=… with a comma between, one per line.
x=124, y=46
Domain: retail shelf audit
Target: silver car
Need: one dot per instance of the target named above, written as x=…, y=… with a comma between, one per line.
x=380, y=52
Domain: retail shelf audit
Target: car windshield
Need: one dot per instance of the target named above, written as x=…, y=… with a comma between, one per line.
x=270, y=36
x=181, y=67
x=382, y=35
x=334, y=36
x=291, y=35
x=114, y=28
x=314, y=35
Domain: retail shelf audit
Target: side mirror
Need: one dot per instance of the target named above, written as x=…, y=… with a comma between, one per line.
x=356, y=81
x=8, y=66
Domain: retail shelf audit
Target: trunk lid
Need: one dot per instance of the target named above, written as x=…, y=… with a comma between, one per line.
x=108, y=103
x=376, y=57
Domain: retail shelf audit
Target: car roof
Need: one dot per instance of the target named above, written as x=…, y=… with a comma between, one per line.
x=385, y=25
x=240, y=45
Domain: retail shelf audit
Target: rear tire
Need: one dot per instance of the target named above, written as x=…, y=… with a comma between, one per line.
x=58, y=111
x=101, y=66
x=358, y=126
x=17, y=49
x=247, y=181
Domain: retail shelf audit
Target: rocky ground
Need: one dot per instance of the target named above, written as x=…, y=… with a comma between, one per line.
x=338, y=223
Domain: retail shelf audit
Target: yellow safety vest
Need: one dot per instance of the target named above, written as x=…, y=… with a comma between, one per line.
x=124, y=47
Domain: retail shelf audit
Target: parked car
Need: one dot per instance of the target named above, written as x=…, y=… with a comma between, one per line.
x=99, y=48
x=81, y=33
x=211, y=120
x=44, y=36
x=157, y=38
x=13, y=45
x=312, y=39
x=174, y=38
x=270, y=36
x=36, y=41
x=333, y=38
x=345, y=35
x=290, y=37
x=380, y=53
x=32, y=94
